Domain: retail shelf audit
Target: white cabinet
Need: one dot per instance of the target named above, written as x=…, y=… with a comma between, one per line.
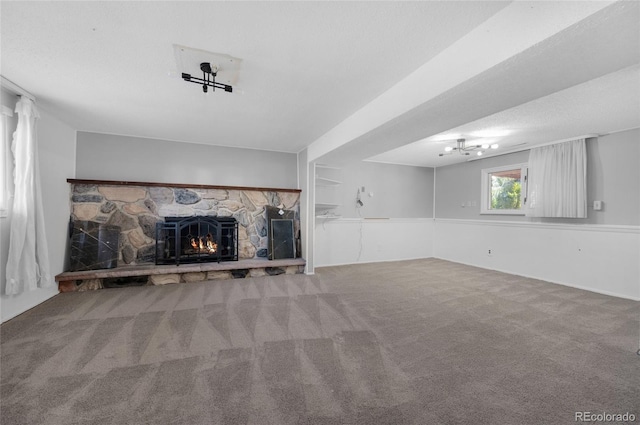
x=328, y=181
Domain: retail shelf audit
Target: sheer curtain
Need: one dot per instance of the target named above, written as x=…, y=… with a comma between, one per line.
x=557, y=182
x=4, y=160
x=28, y=262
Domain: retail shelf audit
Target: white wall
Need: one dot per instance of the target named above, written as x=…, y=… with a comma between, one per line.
x=56, y=150
x=598, y=258
x=350, y=241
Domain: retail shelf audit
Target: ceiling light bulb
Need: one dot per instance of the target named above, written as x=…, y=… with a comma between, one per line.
x=494, y=146
x=479, y=153
x=448, y=149
x=485, y=146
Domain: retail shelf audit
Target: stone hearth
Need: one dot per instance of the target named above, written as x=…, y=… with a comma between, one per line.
x=169, y=274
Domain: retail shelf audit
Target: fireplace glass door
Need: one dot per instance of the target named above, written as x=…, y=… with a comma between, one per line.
x=196, y=239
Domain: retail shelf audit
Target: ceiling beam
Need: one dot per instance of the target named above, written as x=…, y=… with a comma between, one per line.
x=509, y=32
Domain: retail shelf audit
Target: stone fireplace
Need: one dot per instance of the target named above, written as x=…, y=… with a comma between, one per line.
x=138, y=208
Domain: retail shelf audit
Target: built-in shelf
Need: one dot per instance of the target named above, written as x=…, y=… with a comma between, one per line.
x=324, y=181
x=326, y=205
x=327, y=181
x=328, y=216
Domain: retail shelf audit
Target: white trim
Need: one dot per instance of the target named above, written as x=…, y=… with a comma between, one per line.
x=558, y=226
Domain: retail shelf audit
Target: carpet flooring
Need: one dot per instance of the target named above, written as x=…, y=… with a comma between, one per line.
x=412, y=342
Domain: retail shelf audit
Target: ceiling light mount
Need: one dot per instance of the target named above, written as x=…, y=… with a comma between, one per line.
x=464, y=149
x=208, y=78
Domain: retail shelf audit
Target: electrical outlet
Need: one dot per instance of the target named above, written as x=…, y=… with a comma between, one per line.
x=489, y=253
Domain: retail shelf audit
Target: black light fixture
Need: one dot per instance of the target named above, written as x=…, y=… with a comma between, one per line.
x=209, y=78
x=464, y=149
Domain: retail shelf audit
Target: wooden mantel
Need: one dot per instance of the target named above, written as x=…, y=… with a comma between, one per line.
x=178, y=185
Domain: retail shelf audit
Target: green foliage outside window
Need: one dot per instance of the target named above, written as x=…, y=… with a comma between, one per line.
x=505, y=193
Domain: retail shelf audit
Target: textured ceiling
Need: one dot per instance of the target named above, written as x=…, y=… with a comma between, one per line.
x=306, y=67
x=607, y=104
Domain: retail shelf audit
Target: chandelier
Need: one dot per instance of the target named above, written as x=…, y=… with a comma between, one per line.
x=464, y=149
x=208, y=78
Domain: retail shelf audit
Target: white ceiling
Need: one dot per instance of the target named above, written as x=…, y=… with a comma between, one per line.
x=110, y=67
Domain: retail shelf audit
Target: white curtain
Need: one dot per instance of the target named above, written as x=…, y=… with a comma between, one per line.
x=28, y=263
x=4, y=160
x=557, y=182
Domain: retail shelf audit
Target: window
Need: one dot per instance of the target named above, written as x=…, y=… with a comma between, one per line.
x=5, y=160
x=504, y=189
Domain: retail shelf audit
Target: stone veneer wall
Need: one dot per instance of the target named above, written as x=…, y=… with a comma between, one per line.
x=137, y=209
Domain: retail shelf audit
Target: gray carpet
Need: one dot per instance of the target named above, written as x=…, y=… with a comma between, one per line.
x=414, y=342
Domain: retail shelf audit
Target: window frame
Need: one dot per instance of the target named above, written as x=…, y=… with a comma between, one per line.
x=485, y=196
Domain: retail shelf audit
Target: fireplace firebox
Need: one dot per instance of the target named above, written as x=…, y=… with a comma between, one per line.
x=196, y=239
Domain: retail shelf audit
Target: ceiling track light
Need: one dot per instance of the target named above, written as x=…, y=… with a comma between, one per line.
x=464, y=149
x=208, y=78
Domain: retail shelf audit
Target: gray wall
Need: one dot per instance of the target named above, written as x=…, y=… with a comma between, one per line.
x=613, y=176
x=112, y=157
x=399, y=191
